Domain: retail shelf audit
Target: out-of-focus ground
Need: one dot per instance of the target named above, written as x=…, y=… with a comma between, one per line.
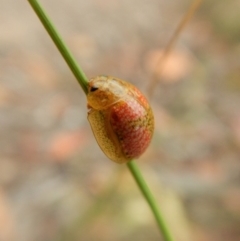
x=56, y=184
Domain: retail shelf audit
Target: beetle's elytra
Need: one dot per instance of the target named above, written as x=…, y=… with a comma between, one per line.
x=120, y=117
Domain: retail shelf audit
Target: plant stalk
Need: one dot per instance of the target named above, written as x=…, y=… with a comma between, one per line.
x=63, y=49
x=80, y=76
x=136, y=173
x=157, y=74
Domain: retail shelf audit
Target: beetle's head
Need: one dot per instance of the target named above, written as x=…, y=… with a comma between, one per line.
x=104, y=91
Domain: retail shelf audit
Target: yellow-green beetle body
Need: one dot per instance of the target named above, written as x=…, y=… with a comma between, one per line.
x=120, y=117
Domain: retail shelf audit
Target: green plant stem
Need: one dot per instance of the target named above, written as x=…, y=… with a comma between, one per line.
x=65, y=52
x=150, y=199
x=83, y=82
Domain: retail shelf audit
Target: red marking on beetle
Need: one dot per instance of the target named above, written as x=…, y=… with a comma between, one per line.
x=128, y=123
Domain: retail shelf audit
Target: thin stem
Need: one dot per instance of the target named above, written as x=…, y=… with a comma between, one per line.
x=150, y=199
x=65, y=52
x=83, y=82
x=162, y=59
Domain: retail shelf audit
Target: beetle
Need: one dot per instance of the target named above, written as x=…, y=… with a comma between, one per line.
x=120, y=116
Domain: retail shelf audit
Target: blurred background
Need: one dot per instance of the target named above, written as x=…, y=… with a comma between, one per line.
x=56, y=184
